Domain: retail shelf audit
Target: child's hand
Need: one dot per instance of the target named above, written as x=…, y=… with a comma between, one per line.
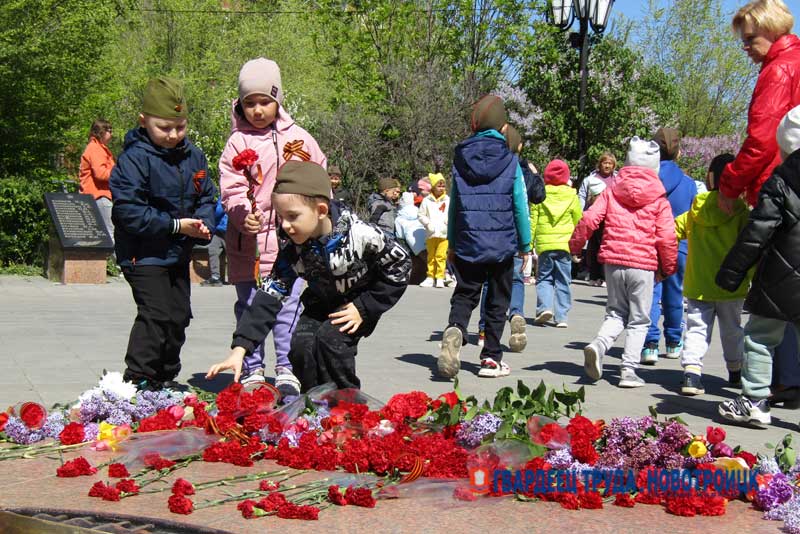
x=526, y=257
x=194, y=228
x=252, y=223
x=347, y=314
x=233, y=362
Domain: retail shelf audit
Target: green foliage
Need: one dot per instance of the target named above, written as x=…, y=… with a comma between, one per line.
x=24, y=220
x=625, y=98
x=696, y=47
x=516, y=407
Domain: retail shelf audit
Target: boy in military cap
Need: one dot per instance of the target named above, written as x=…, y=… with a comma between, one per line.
x=355, y=274
x=163, y=206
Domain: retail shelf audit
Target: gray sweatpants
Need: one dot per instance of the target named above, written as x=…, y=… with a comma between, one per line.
x=630, y=294
x=700, y=325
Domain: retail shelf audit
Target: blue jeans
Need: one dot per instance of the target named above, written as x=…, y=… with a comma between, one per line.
x=517, y=304
x=670, y=294
x=552, y=284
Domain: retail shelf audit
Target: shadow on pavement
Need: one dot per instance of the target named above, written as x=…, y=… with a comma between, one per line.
x=595, y=302
x=429, y=361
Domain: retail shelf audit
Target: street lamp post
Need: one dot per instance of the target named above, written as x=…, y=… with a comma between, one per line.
x=592, y=13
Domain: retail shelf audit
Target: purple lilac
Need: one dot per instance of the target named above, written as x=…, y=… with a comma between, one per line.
x=293, y=436
x=18, y=432
x=472, y=433
x=791, y=516
x=559, y=459
x=768, y=466
x=778, y=491
x=53, y=425
x=91, y=431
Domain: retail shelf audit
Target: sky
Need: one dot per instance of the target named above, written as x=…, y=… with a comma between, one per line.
x=633, y=8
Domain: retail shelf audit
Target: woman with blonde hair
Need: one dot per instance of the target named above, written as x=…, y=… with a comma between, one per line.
x=589, y=190
x=764, y=27
x=95, y=170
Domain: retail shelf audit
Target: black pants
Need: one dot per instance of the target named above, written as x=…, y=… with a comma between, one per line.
x=319, y=353
x=467, y=294
x=162, y=314
x=596, y=269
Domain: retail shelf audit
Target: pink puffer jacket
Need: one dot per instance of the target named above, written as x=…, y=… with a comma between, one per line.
x=269, y=144
x=639, y=229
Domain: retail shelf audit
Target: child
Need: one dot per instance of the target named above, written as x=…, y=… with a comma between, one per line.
x=381, y=205
x=260, y=123
x=340, y=193
x=710, y=234
x=638, y=240
x=771, y=240
x=433, y=216
x=163, y=206
x=552, y=224
x=488, y=224
x=534, y=186
x=355, y=274
x=668, y=294
x=217, y=247
x=590, y=189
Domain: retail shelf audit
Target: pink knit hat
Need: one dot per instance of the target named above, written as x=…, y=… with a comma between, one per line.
x=424, y=186
x=262, y=76
x=556, y=173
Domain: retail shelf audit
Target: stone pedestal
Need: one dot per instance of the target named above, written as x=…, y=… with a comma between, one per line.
x=75, y=266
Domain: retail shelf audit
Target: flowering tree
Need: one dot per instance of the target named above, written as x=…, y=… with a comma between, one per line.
x=625, y=97
x=697, y=152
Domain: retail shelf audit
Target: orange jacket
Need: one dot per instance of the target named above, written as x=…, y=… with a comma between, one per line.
x=96, y=165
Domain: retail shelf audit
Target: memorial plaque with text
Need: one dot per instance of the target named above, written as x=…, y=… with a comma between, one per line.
x=78, y=222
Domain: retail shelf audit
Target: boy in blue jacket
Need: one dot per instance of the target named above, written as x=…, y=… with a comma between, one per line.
x=668, y=294
x=488, y=225
x=163, y=205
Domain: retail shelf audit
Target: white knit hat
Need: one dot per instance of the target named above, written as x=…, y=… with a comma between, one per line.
x=407, y=199
x=261, y=76
x=643, y=153
x=789, y=131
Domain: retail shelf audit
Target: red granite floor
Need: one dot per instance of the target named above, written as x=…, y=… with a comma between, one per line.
x=32, y=483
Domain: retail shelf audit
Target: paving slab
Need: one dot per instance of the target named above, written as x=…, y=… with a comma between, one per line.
x=43, y=324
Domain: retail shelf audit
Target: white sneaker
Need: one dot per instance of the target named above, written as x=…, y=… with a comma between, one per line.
x=428, y=282
x=629, y=379
x=593, y=362
x=543, y=317
x=439, y=283
x=747, y=411
x=562, y=324
x=286, y=382
x=255, y=377
x=449, y=361
x=493, y=369
x=518, y=339
x=449, y=280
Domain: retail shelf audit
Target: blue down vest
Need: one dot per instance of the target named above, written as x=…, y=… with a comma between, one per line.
x=484, y=171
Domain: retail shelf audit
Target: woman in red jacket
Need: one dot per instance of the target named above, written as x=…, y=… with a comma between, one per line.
x=96, y=165
x=764, y=26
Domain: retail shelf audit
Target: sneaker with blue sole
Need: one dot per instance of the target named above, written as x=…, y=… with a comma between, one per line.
x=649, y=353
x=674, y=350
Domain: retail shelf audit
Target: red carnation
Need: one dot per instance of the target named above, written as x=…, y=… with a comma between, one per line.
x=450, y=398
x=163, y=420
x=72, y=434
x=127, y=485
x=267, y=485
x=182, y=487
x=247, y=508
x=272, y=502
x=712, y=506
x=360, y=497
x=624, y=500
x=104, y=491
x=683, y=506
x=33, y=415
x=118, y=471
x=412, y=405
x=568, y=501
x=75, y=468
x=245, y=158
x=590, y=500
x=3, y=420
x=178, y=504
x=156, y=461
x=290, y=510
x=335, y=496
x=715, y=435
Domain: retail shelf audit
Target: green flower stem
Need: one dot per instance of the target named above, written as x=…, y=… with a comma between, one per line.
x=231, y=480
x=32, y=451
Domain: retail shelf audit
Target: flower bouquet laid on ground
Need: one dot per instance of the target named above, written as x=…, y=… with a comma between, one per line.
x=531, y=444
